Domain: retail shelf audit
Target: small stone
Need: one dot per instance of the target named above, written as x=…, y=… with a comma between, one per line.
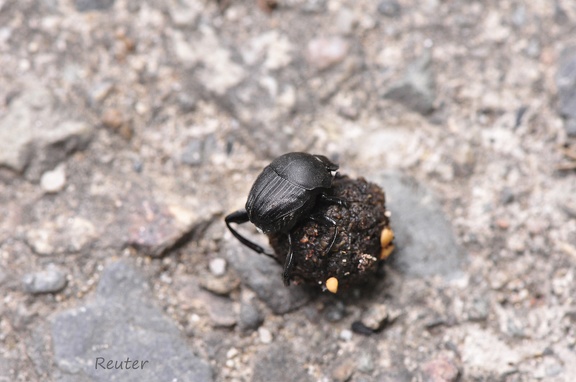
x=267, y=5
x=570, y=127
x=223, y=285
x=416, y=89
x=65, y=234
x=478, y=310
x=183, y=16
x=506, y=195
x=217, y=266
x=325, y=52
x=187, y=102
x=221, y=312
x=390, y=8
x=250, y=316
x=503, y=223
x=440, y=369
x=519, y=15
x=264, y=335
x=232, y=353
x=113, y=119
x=566, y=83
x=376, y=317
x=346, y=335
x=53, y=181
x=335, y=311
x=365, y=362
x=193, y=153
x=101, y=91
x=51, y=280
x=93, y=5
x=345, y=21
x=343, y=370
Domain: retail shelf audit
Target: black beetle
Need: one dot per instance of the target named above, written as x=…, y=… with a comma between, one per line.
x=285, y=193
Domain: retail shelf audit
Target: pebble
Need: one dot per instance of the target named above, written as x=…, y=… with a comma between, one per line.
x=335, y=312
x=345, y=21
x=51, y=280
x=193, y=153
x=222, y=285
x=478, y=309
x=566, y=83
x=346, y=335
x=324, y=52
x=250, y=317
x=376, y=317
x=390, y=8
x=507, y=196
x=187, y=101
x=365, y=362
x=217, y=266
x=440, y=369
x=114, y=119
x=264, y=335
x=343, y=370
x=54, y=181
x=101, y=91
x=93, y=5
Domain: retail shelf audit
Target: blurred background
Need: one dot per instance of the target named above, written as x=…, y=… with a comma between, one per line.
x=128, y=129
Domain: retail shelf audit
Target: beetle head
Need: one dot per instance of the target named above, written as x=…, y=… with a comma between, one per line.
x=330, y=166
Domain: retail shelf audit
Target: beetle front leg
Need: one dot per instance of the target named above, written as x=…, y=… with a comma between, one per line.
x=289, y=262
x=240, y=217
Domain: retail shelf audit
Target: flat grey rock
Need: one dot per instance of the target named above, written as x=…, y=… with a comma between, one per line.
x=122, y=324
x=264, y=276
x=424, y=239
x=33, y=138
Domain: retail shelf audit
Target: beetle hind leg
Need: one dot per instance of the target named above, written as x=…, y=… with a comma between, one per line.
x=288, y=263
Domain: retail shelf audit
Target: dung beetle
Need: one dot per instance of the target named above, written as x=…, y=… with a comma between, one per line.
x=284, y=194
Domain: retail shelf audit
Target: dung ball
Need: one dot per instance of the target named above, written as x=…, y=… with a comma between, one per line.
x=335, y=257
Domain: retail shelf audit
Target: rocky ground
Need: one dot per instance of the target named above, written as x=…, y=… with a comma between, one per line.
x=129, y=129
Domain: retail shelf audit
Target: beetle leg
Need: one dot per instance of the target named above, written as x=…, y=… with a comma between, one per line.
x=240, y=217
x=326, y=221
x=333, y=200
x=289, y=263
